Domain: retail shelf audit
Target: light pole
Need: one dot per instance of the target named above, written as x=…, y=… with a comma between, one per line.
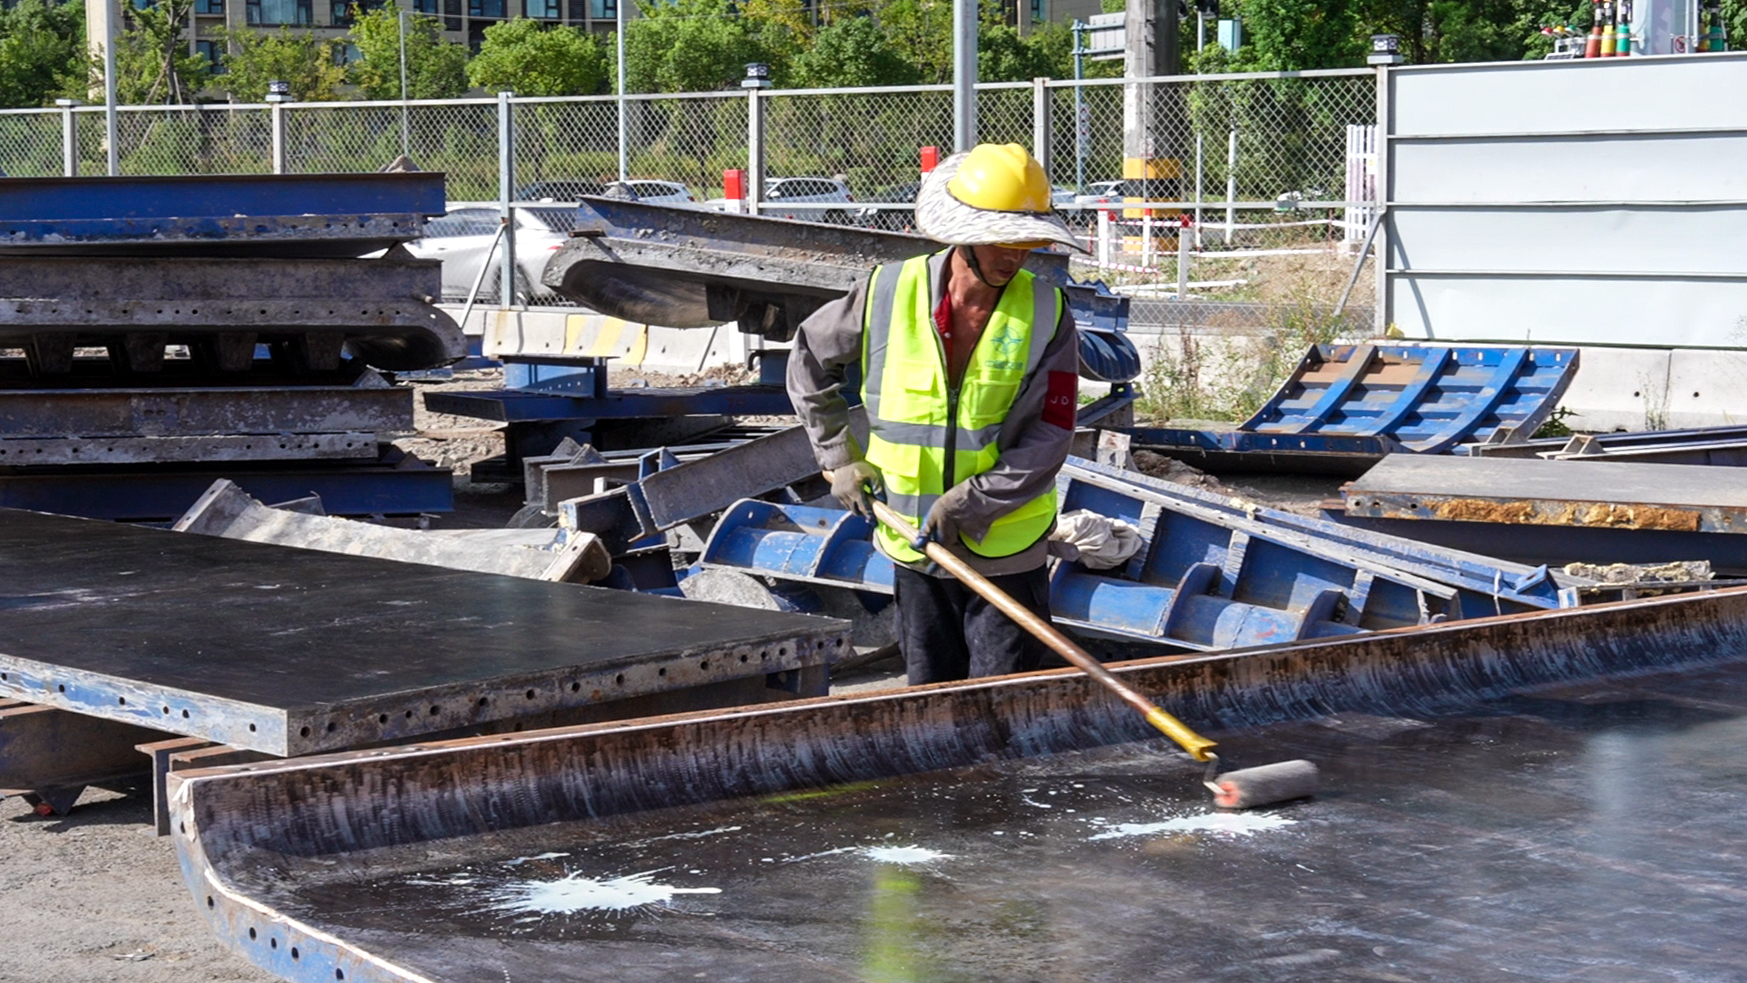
x=405, y=138
x=624, y=151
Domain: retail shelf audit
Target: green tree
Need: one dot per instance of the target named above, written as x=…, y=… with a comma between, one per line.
x=435, y=68
x=299, y=59
x=1295, y=35
x=921, y=32
x=526, y=58
x=851, y=52
x=152, y=61
x=690, y=46
x=42, y=52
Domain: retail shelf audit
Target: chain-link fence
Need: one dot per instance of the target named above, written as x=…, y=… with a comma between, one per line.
x=1258, y=164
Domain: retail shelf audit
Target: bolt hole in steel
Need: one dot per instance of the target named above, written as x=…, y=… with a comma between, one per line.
x=209, y=902
x=530, y=694
x=304, y=732
x=576, y=687
x=61, y=687
x=409, y=715
x=294, y=954
x=705, y=664
x=619, y=680
x=121, y=701
x=185, y=715
x=251, y=728
x=436, y=710
x=339, y=974
x=272, y=943
x=382, y=718
x=166, y=711
x=183, y=828
x=332, y=726
x=662, y=671
x=484, y=700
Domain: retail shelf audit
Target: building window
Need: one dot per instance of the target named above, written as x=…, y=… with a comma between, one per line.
x=345, y=12
x=426, y=7
x=485, y=8
x=275, y=12
x=209, y=7
x=1037, y=11
x=345, y=54
x=543, y=9
x=603, y=9
x=213, y=52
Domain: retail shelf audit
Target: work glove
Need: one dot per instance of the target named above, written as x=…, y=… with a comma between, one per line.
x=852, y=485
x=942, y=522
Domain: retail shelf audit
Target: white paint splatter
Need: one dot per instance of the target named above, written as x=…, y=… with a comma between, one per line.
x=911, y=854
x=1221, y=823
x=575, y=893
x=822, y=853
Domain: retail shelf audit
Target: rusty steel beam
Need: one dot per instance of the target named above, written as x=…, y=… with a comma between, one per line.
x=241, y=833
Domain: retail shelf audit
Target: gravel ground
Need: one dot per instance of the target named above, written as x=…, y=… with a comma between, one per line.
x=96, y=897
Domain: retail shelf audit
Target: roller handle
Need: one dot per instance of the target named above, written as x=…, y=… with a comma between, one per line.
x=1197, y=746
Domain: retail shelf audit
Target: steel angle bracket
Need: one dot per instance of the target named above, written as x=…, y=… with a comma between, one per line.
x=458, y=794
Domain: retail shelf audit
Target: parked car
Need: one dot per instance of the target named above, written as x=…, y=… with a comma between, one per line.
x=808, y=199
x=560, y=190
x=894, y=219
x=656, y=192
x=464, y=240
x=1099, y=196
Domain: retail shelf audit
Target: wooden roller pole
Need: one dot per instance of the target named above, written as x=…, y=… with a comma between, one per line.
x=1197, y=746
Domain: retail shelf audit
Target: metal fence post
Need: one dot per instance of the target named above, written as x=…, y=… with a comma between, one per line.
x=276, y=117
x=1040, y=125
x=506, y=191
x=69, y=138
x=1230, y=182
x=754, y=148
x=1381, y=315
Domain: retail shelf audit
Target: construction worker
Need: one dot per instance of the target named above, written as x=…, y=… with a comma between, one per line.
x=969, y=369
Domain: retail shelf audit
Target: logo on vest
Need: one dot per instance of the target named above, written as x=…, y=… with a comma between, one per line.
x=1006, y=344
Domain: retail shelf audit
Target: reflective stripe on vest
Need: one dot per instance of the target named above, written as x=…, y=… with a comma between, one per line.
x=910, y=407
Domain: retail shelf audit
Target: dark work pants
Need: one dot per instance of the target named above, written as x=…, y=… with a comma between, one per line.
x=948, y=632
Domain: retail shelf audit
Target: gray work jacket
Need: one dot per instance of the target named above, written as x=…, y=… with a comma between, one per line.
x=1031, y=450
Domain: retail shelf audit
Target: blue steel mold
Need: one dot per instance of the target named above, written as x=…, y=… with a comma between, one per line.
x=1428, y=398
x=1345, y=406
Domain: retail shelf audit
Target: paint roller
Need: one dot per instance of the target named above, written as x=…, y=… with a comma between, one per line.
x=1241, y=789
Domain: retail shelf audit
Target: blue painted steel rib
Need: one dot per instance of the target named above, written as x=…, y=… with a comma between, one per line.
x=1345, y=406
x=1478, y=579
x=1201, y=586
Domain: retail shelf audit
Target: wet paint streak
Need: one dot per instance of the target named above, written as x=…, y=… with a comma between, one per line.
x=1218, y=823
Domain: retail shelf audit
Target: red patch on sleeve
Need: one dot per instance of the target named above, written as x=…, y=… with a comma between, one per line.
x=1061, y=399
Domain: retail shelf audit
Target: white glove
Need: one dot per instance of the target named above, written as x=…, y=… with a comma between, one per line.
x=1097, y=541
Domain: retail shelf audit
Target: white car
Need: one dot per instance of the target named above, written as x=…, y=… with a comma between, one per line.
x=466, y=238
x=808, y=199
x=656, y=192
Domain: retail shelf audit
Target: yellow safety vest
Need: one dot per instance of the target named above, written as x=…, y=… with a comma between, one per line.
x=924, y=436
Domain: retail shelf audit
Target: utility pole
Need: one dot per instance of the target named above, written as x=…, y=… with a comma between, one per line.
x=1152, y=168
x=964, y=74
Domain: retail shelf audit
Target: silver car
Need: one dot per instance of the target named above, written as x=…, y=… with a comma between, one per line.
x=466, y=239
x=809, y=199
x=656, y=192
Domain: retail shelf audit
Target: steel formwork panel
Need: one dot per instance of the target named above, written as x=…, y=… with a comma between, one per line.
x=1492, y=739
x=194, y=411
x=291, y=651
x=288, y=214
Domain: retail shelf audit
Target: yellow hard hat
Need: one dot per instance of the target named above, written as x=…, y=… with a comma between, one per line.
x=992, y=194
x=1001, y=178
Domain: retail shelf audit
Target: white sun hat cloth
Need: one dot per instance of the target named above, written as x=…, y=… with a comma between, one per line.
x=944, y=218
